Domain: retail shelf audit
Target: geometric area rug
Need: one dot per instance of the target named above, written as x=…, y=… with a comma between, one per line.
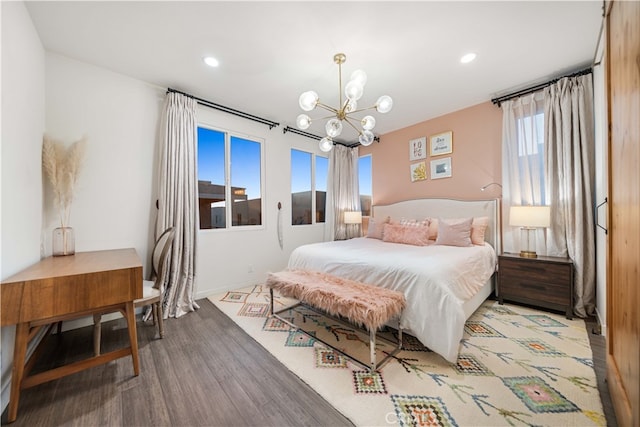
x=516, y=366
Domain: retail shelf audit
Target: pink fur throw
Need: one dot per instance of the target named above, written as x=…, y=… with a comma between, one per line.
x=362, y=304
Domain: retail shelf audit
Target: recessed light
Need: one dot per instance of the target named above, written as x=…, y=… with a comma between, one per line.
x=211, y=61
x=468, y=58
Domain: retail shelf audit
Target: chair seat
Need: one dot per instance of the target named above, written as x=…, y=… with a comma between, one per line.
x=148, y=291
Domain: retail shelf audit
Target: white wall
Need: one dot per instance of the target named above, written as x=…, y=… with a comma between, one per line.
x=23, y=122
x=225, y=257
x=115, y=199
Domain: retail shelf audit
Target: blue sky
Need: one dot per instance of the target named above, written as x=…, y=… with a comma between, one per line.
x=245, y=165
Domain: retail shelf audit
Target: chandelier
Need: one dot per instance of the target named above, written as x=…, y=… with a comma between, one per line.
x=353, y=91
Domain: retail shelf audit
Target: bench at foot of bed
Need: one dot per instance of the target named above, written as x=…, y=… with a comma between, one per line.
x=360, y=303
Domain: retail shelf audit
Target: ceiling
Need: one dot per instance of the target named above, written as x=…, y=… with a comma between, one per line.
x=270, y=52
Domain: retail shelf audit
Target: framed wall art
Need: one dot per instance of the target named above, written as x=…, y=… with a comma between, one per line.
x=441, y=168
x=441, y=143
x=418, y=171
x=418, y=148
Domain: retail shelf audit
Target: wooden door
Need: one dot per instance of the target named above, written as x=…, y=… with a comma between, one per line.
x=623, y=297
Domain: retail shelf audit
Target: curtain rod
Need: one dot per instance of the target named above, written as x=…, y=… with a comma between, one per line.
x=318, y=138
x=229, y=110
x=532, y=89
x=312, y=136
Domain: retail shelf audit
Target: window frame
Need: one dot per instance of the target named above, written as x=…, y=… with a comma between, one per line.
x=313, y=187
x=228, y=134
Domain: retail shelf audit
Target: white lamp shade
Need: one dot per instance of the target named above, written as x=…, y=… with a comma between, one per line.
x=353, y=217
x=530, y=216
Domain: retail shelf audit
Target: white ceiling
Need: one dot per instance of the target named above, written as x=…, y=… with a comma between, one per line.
x=270, y=52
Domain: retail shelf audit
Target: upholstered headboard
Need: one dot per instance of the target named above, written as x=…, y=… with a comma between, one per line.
x=447, y=208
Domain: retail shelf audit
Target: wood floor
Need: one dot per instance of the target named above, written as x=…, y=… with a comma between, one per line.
x=206, y=371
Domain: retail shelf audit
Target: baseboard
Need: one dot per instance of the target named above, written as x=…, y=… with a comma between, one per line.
x=602, y=326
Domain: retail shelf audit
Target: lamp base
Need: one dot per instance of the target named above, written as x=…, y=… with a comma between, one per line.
x=528, y=254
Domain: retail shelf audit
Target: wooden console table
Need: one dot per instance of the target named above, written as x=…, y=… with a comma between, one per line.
x=62, y=288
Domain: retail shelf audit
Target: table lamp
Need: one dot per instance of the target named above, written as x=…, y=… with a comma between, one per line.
x=353, y=218
x=528, y=218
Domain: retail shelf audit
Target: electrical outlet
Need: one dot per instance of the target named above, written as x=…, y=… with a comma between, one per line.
x=250, y=268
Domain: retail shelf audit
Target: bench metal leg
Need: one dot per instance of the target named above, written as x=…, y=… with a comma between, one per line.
x=372, y=366
x=372, y=349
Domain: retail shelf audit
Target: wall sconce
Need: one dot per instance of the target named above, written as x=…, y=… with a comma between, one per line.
x=490, y=184
x=528, y=218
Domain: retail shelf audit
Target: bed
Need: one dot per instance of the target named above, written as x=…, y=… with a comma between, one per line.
x=443, y=285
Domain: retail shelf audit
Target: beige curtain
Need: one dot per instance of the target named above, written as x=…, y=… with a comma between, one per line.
x=343, y=193
x=570, y=152
x=178, y=180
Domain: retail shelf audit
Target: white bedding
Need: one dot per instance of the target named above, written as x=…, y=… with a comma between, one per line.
x=436, y=280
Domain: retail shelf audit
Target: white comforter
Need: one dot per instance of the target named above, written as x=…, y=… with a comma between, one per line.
x=436, y=280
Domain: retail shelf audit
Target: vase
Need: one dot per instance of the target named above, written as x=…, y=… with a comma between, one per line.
x=64, y=242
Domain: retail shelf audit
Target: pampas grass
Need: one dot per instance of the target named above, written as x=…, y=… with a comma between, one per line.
x=62, y=166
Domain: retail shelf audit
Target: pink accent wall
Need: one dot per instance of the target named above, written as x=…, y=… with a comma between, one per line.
x=475, y=160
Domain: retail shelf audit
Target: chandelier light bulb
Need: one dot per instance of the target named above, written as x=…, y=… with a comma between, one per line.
x=366, y=138
x=368, y=122
x=384, y=104
x=326, y=144
x=353, y=90
x=359, y=76
x=333, y=127
x=308, y=100
x=303, y=121
x=352, y=105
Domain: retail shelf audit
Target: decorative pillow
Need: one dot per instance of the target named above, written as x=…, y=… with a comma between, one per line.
x=407, y=234
x=415, y=223
x=454, y=232
x=376, y=228
x=478, y=228
x=433, y=228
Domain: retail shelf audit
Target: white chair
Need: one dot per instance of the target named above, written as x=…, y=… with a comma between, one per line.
x=152, y=290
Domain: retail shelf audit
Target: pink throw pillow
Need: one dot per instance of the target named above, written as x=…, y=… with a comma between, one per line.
x=478, y=229
x=454, y=232
x=407, y=234
x=433, y=228
x=376, y=228
x=415, y=223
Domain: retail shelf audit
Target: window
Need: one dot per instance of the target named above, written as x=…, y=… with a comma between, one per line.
x=364, y=183
x=530, y=138
x=308, y=187
x=229, y=168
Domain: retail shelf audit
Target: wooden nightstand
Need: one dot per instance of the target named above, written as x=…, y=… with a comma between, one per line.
x=544, y=281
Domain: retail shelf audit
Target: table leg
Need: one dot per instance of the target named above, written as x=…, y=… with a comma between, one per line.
x=97, y=333
x=17, y=372
x=133, y=336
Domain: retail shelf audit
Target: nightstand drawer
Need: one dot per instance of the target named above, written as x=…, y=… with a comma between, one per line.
x=542, y=282
x=535, y=290
x=558, y=274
